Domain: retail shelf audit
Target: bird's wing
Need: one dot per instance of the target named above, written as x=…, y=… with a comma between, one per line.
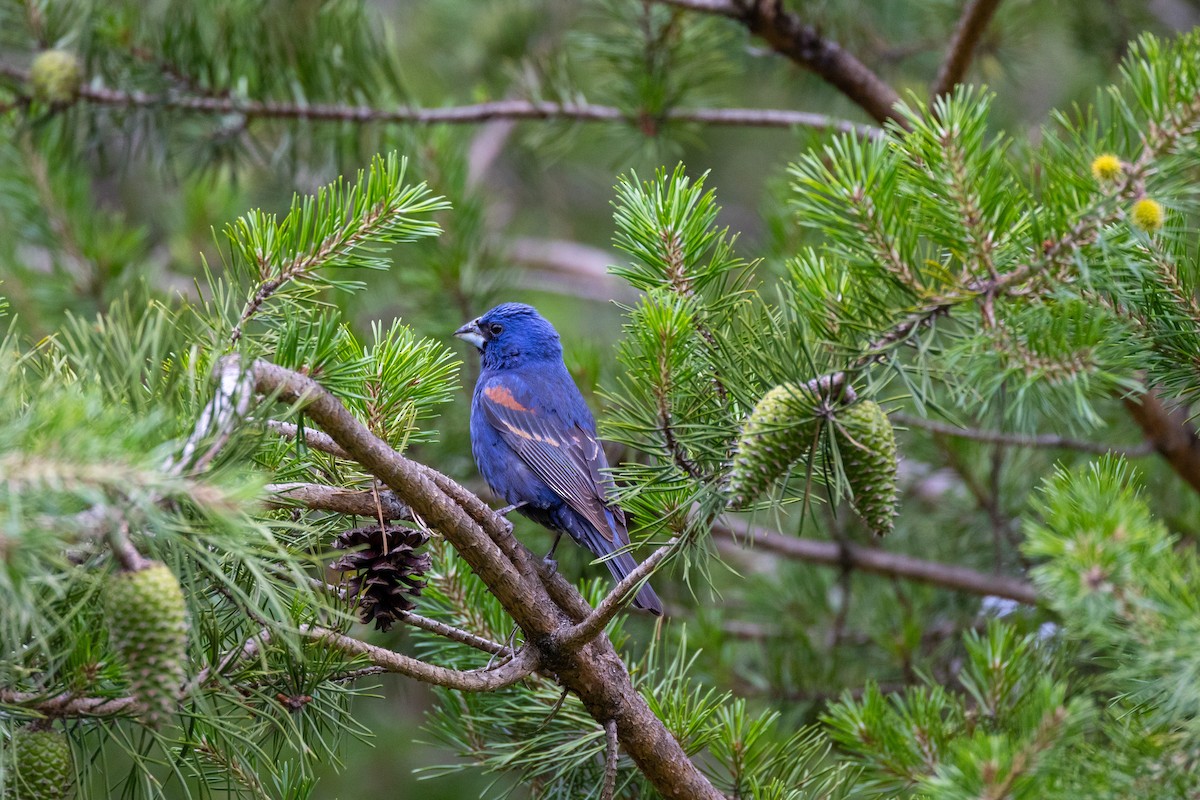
x=565, y=455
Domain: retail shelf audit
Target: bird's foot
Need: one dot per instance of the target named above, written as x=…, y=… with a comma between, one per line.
x=551, y=564
x=504, y=512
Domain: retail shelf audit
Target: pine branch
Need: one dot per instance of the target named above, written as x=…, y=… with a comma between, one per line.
x=477, y=680
x=787, y=34
x=69, y=704
x=334, y=498
x=472, y=114
x=617, y=599
x=611, y=750
x=248, y=779
x=454, y=634
x=539, y=601
x=218, y=419
x=249, y=649
x=433, y=626
x=971, y=25
x=1025, y=759
x=1050, y=441
x=312, y=438
x=337, y=225
x=123, y=550
x=880, y=562
x=524, y=664
x=681, y=283
x=1170, y=432
x=666, y=424
x=1168, y=274
x=1054, y=260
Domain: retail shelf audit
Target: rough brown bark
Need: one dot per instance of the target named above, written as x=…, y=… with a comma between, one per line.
x=789, y=36
x=543, y=604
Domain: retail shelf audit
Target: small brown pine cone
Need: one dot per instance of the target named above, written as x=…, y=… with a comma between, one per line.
x=388, y=572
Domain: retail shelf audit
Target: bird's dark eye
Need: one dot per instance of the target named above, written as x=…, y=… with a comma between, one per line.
x=496, y=329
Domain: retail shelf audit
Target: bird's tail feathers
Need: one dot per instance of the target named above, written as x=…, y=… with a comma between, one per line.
x=619, y=565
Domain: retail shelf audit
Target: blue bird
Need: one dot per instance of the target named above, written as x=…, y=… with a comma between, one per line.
x=534, y=438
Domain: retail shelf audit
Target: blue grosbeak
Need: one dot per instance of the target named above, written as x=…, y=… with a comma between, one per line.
x=534, y=438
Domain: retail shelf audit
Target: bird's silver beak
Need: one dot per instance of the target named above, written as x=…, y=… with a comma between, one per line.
x=470, y=333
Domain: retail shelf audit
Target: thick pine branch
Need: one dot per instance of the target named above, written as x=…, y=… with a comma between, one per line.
x=971, y=25
x=540, y=602
x=789, y=36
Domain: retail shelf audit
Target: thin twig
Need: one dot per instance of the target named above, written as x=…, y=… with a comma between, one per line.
x=312, y=437
x=355, y=674
x=123, y=550
x=426, y=624
x=249, y=648
x=476, y=680
x=621, y=594
x=880, y=562
x=1022, y=440
x=611, y=753
x=720, y=8
x=974, y=20
x=69, y=704
x=471, y=114
x=450, y=632
x=772, y=118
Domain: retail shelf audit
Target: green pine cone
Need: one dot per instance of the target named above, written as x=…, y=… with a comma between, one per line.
x=867, y=445
x=777, y=434
x=42, y=768
x=55, y=77
x=147, y=620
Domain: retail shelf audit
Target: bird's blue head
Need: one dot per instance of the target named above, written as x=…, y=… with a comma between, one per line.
x=512, y=334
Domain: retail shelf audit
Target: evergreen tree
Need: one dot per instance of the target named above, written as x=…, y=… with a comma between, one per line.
x=232, y=496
